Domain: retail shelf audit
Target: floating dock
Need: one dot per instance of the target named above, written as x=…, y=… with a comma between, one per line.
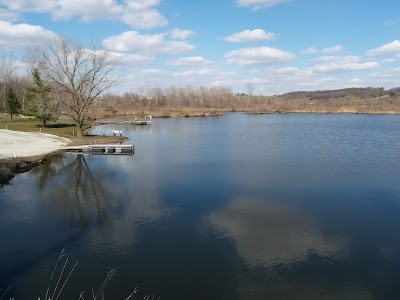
x=101, y=149
x=142, y=122
x=136, y=121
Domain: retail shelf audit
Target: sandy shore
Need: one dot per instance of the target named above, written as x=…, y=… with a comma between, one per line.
x=27, y=144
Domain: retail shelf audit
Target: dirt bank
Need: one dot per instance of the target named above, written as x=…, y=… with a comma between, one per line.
x=22, y=151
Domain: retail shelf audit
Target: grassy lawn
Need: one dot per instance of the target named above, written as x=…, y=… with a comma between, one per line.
x=62, y=127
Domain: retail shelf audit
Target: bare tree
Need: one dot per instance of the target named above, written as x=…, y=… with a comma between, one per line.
x=79, y=74
x=157, y=94
x=250, y=88
x=7, y=67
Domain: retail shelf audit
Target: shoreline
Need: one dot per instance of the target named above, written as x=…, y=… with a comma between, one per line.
x=10, y=167
x=321, y=112
x=194, y=113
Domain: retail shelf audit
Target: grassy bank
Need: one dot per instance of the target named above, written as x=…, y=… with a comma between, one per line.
x=64, y=128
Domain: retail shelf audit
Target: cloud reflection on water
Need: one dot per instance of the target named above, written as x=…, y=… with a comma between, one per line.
x=270, y=232
x=284, y=250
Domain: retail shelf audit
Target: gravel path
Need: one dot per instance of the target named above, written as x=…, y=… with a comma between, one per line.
x=25, y=144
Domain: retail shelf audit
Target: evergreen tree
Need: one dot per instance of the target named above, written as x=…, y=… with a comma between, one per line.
x=29, y=101
x=38, y=102
x=12, y=104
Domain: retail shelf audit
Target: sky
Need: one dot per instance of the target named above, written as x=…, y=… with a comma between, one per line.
x=266, y=46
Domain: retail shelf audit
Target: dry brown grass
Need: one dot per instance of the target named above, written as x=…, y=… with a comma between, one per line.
x=130, y=114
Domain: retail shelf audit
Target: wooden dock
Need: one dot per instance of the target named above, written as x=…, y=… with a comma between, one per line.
x=142, y=122
x=136, y=121
x=101, y=149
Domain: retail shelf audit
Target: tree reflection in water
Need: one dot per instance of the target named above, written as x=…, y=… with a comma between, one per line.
x=74, y=188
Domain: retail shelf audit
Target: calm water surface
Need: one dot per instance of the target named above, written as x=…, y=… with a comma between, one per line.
x=235, y=207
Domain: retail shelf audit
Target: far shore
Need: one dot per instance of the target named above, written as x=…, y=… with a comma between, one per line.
x=193, y=113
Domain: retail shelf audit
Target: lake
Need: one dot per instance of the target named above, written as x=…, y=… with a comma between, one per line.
x=283, y=206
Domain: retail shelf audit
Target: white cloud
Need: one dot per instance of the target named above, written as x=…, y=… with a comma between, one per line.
x=64, y=9
x=8, y=15
x=86, y=10
x=386, y=78
x=355, y=80
x=129, y=60
x=391, y=74
x=21, y=36
x=258, y=56
x=30, y=5
x=327, y=79
x=343, y=67
x=141, y=4
x=133, y=41
x=151, y=72
x=257, y=4
x=200, y=72
x=228, y=74
x=309, y=51
x=181, y=34
x=386, y=49
x=389, y=60
x=140, y=14
x=291, y=72
x=342, y=63
x=250, y=36
x=339, y=59
x=287, y=70
x=189, y=61
x=144, y=19
x=333, y=49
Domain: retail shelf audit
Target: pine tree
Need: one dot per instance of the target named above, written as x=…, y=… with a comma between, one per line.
x=12, y=104
x=38, y=102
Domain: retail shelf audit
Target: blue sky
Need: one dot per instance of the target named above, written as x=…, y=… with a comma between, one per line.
x=275, y=46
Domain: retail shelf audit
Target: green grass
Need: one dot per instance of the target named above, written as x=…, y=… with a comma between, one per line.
x=61, y=127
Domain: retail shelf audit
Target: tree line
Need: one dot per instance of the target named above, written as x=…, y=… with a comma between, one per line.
x=366, y=100
x=65, y=79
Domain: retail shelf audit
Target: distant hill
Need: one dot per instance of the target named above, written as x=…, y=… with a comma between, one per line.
x=360, y=93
